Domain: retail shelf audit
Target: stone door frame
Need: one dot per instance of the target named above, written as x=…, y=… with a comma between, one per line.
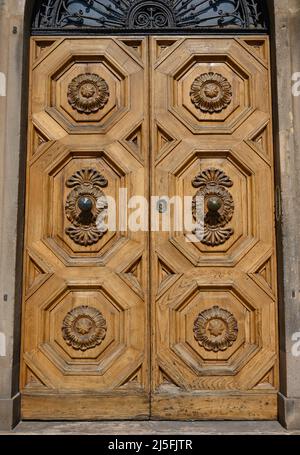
x=14, y=34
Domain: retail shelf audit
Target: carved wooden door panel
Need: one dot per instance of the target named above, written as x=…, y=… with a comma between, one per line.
x=214, y=316
x=85, y=313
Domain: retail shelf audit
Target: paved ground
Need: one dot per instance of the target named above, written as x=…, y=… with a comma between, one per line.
x=151, y=428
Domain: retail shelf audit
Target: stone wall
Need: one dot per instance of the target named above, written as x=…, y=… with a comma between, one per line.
x=287, y=133
x=11, y=54
x=14, y=26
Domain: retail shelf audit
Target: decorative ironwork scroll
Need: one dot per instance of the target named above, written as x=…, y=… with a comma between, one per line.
x=127, y=15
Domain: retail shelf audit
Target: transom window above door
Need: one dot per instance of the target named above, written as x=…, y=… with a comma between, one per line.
x=61, y=16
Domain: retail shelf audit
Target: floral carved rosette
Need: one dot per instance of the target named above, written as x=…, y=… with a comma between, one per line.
x=211, y=92
x=213, y=184
x=84, y=328
x=88, y=93
x=215, y=329
x=86, y=184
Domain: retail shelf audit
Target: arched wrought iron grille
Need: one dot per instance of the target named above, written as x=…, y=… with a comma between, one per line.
x=63, y=16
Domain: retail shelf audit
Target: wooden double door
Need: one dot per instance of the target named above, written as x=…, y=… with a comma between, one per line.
x=146, y=323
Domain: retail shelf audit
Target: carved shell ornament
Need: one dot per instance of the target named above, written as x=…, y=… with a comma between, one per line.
x=84, y=204
x=215, y=329
x=88, y=93
x=84, y=328
x=211, y=92
x=218, y=203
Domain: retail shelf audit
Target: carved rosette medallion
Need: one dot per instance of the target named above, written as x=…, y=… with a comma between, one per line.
x=88, y=93
x=84, y=328
x=215, y=329
x=85, y=205
x=211, y=92
x=213, y=184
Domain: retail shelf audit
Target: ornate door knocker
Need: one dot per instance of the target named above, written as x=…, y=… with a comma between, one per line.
x=84, y=204
x=218, y=205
